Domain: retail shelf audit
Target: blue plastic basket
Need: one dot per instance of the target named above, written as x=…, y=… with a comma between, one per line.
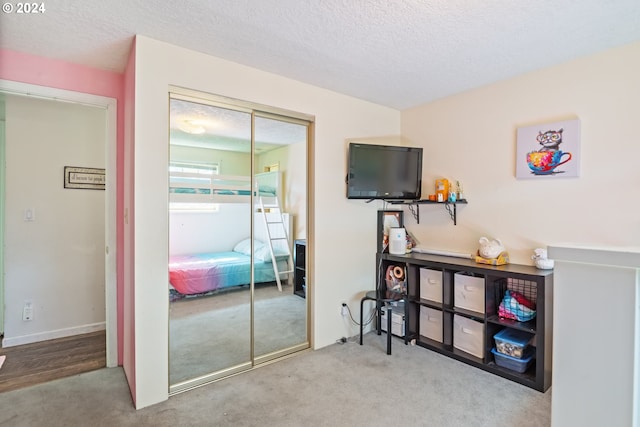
x=512, y=342
x=512, y=363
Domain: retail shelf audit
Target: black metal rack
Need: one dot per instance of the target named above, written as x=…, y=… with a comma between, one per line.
x=451, y=207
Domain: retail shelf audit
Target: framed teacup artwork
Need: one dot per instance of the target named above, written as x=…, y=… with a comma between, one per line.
x=548, y=150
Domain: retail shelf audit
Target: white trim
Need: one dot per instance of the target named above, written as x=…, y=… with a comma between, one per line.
x=2, y=215
x=110, y=105
x=51, y=335
x=50, y=93
x=636, y=362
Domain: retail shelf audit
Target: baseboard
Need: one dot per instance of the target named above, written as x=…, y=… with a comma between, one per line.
x=50, y=335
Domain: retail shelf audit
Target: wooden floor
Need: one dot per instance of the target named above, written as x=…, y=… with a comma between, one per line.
x=31, y=364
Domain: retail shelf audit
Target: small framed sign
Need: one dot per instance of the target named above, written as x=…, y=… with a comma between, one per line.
x=84, y=178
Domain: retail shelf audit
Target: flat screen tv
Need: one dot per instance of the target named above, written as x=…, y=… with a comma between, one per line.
x=384, y=172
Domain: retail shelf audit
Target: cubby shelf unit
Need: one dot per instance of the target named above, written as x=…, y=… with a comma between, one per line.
x=538, y=283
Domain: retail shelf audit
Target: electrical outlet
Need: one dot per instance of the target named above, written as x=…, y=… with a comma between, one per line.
x=345, y=310
x=27, y=311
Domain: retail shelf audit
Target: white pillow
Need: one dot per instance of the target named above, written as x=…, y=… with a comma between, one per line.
x=244, y=246
x=263, y=254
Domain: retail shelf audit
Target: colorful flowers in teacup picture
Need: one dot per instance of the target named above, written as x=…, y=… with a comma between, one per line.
x=548, y=150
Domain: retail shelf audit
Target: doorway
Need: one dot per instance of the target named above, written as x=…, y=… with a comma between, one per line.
x=43, y=300
x=237, y=201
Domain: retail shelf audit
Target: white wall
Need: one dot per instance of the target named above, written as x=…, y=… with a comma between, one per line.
x=338, y=226
x=200, y=232
x=293, y=166
x=596, y=358
x=58, y=260
x=231, y=163
x=472, y=137
x=129, y=291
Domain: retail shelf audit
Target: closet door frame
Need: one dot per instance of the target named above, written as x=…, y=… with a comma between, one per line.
x=263, y=111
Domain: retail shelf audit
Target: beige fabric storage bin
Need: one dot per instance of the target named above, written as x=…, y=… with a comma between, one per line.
x=468, y=335
x=431, y=284
x=431, y=323
x=468, y=292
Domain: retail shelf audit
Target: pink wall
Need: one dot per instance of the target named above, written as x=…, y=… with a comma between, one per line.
x=24, y=68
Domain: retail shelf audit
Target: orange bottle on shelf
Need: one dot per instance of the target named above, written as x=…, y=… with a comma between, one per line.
x=442, y=187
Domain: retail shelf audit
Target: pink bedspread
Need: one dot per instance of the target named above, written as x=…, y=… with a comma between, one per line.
x=200, y=273
x=194, y=274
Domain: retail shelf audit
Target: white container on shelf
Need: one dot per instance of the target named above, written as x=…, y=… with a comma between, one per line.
x=397, y=241
x=431, y=323
x=469, y=292
x=468, y=335
x=397, y=320
x=431, y=284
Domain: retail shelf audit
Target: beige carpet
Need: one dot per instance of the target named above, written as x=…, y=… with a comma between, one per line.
x=340, y=385
x=212, y=333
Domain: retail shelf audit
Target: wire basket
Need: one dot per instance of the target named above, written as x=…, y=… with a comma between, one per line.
x=516, y=299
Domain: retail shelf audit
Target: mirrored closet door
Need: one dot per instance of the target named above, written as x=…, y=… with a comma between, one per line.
x=209, y=241
x=237, y=203
x=279, y=158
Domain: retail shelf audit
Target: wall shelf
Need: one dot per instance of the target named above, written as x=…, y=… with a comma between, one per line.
x=414, y=207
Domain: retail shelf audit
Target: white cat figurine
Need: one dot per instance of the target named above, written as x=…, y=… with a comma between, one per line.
x=490, y=248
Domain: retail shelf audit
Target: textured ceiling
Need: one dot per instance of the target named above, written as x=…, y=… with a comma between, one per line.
x=207, y=126
x=398, y=53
